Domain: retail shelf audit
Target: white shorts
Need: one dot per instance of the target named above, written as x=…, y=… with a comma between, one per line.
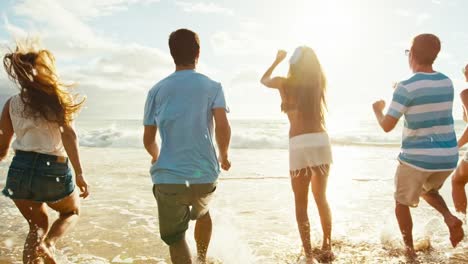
x=309, y=151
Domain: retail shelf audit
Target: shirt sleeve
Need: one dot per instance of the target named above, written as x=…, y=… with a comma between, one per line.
x=219, y=100
x=149, y=116
x=400, y=102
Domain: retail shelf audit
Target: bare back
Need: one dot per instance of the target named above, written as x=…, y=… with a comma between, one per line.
x=300, y=122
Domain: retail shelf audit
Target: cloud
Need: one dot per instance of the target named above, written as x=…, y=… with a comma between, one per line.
x=107, y=64
x=201, y=7
x=114, y=76
x=84, y=9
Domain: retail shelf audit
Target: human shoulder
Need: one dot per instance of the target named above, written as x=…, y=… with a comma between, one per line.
x=208, y=81
x=162, y=83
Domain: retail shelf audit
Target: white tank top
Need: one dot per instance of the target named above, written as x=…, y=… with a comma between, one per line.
x=34, y=133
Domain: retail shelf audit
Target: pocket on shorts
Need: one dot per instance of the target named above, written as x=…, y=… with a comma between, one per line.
x=13, y=182
x=53, y=185
x=169, y=195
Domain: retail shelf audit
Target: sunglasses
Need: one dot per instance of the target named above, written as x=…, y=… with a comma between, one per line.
x=407, y=52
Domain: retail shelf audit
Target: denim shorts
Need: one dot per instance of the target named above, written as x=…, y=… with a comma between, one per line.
x=38, y=177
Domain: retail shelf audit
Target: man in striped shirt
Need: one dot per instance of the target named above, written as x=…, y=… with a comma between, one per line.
x=429, y=151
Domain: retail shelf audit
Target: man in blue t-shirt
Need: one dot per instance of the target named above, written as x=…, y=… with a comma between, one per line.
x=429, y=151
x=183, y=107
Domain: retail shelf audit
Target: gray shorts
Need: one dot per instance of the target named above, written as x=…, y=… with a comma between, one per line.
x=178, y=204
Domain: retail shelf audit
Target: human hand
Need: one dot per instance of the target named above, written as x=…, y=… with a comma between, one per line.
x=82, y=185
x=153, y=160
x=378, y=106
x=281, y=55
x=225, y=163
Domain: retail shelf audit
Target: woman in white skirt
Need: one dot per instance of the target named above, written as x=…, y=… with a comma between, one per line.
x=303, y=100
x=460, y=177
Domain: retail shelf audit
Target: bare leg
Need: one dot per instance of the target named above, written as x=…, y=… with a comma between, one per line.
x=180, y=252
x=405, y=222
x=203, y=228
x=34, y=248
x=68, y=208
x=459, y=180
x=300, y=185
x=454, y=224
x=319, y=189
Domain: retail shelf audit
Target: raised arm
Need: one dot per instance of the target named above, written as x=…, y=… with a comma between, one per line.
x=464, y=137
x=275, y=82
x=70, y=143
x=386, y=122
x=223, y=136
x=149, y=141
x=6, y=131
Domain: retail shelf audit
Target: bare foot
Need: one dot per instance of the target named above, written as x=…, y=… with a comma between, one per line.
x=325, y=256
x=44, y=252
x=310, y=260
x=456, y=231
x=411, y=256
x=201, y=260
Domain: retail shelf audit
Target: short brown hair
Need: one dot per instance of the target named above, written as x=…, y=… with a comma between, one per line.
x=425, y=48
x=185, y=46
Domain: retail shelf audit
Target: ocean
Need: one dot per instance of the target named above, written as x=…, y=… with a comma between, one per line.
x=253, y=209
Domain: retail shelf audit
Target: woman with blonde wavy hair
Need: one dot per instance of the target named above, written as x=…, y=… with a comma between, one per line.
x=303, y=100
x=41, y=117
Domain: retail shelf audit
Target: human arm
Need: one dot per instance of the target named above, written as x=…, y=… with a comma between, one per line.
x=400, y=102
x=464, y=137
x=386, y=122
x=70, y=143
x=149, y=141
x=6, y=131
x=275, y=82
x=223, y=136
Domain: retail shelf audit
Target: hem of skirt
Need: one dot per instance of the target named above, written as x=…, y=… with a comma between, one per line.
x=323, y=168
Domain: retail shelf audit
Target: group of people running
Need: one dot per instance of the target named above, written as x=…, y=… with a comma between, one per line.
x=190, y=112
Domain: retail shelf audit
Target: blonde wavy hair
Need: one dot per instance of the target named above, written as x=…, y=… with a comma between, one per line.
x=41, y=90
x=305, y=86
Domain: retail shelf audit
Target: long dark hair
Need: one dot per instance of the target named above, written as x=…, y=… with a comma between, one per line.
x=41, y=90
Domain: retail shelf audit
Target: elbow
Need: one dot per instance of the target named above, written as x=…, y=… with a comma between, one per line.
x=147, y=141
x=224, y=130
x=387, y=129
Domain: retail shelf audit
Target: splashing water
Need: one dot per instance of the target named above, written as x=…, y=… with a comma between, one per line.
x=8, y=243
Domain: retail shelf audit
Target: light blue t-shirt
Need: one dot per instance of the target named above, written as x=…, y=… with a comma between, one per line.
x=429, y=140
x=181, y=107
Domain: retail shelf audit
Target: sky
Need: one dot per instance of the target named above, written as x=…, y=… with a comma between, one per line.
x=116, y=50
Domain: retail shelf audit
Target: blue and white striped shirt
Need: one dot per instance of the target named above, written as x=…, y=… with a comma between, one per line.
x=429, y=140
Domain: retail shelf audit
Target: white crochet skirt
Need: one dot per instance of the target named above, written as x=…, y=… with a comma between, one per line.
x=309, y=151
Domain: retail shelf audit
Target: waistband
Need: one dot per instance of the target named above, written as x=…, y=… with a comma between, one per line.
x=31, y=154
x=320, y=139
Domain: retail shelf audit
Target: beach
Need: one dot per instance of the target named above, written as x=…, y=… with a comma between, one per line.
x=253, y=209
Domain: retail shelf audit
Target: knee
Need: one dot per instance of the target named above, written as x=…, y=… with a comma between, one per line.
x=457, y=180
x=74, y=212
x=320, y=198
